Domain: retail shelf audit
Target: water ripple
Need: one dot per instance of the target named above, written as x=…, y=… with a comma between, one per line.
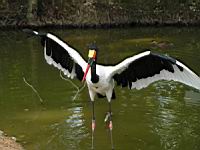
x=70, y=132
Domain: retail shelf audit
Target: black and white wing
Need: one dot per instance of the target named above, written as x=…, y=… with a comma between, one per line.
x=61, y=55
x=145, y=68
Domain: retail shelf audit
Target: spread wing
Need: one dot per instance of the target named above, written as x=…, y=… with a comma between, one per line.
x=145, y=68
x=61, y=55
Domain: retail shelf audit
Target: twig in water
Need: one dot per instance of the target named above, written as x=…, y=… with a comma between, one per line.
x=79, y=89
x=34, y=90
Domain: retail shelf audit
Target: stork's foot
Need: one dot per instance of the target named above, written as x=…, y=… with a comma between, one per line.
x=107, y=116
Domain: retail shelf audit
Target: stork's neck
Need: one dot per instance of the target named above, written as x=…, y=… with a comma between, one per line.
x=94, y=76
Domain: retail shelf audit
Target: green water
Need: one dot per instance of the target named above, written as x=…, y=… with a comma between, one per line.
x=163, y=116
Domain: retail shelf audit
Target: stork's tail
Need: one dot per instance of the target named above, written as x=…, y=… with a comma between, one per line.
x=32, y=32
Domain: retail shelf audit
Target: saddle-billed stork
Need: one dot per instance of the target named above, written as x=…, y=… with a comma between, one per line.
x=135, y=72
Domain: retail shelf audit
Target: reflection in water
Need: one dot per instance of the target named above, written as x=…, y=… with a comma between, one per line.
x=163, y=116
x=192, y=98
x=171, y=122
x=70, y=132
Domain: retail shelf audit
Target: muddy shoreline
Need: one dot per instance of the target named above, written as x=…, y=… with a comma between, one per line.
x=9, y=143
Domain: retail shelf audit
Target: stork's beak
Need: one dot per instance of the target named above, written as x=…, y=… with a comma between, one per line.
x=85, y=74
x=92, y=57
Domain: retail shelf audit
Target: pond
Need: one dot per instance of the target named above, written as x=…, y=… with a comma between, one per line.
x=163, y=116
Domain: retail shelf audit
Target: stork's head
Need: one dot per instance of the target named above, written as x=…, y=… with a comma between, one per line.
x=92, y=56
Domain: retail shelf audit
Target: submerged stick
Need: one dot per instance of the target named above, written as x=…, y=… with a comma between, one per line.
x=79, y=89
x=34, y=90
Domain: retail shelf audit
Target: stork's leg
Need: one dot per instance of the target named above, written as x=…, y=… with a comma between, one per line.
x=110, y=125
x=93, y=124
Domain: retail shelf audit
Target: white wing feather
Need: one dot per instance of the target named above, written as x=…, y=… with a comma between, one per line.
x=73, y=53
x=186, y=76
x=124, y=64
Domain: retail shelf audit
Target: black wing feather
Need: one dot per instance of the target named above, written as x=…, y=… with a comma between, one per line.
x=58, y=53
x=145, y=67
x=60, y=56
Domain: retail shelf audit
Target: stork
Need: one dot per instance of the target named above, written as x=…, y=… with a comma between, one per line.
x=135, y=72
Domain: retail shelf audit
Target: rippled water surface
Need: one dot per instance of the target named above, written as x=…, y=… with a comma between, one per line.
x=163, y=116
